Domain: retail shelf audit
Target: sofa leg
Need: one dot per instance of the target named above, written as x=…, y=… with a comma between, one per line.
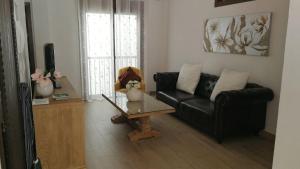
x=220, y=140
x=255, y=132
x=219, y=135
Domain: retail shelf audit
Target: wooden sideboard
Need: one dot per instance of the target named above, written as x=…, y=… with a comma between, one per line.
x=59, y=129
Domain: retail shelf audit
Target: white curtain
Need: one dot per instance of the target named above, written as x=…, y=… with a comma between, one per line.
x=128, y=36
x=104, y=51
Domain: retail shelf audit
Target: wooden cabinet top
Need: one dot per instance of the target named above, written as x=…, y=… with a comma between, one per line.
x=66, y=87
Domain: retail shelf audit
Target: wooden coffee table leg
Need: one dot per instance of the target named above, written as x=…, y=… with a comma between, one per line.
x=144, y=131
x=118, y=119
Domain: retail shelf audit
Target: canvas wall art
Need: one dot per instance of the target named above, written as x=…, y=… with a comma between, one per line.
x=228, y=2
x=245, y=34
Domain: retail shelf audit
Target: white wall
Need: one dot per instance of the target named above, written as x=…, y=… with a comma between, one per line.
x=63, y=22
x=287, y=148
x=57, y=21
x=156, y=39
x=41, y=30
x=186, y=29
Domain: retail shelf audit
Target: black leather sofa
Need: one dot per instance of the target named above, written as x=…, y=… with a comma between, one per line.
x=232, y=113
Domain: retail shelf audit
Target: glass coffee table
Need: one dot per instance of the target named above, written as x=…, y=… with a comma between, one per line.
x=138, y=113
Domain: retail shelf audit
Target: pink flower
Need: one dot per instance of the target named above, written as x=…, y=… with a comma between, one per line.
x=37, y=75
x=41, y=78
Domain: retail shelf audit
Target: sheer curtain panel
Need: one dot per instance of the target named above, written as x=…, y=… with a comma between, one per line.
x=111, y=38
x=129, y=21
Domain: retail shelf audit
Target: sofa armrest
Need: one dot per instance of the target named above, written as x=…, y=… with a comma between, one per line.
x=241, y=109
x=245, y=96
x=166, y=81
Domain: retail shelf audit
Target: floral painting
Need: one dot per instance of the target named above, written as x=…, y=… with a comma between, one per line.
x=245, y=34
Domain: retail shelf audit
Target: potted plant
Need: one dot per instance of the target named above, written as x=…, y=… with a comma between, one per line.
x=44, y=81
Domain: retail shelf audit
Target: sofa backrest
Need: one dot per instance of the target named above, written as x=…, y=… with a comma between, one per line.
x=206, y=85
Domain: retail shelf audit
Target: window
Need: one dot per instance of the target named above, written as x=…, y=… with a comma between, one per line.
x=108, y=51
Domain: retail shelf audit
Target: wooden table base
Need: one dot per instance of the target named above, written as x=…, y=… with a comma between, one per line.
x=144, y=130
x=118, y=119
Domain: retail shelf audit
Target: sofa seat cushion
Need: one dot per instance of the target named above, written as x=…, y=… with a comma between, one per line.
x=199, y=113
x=173, y=98
x=201, y=105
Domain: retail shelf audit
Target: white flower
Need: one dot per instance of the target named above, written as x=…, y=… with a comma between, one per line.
x=223, y=43
x=247, y=42
x=137, y=85
x=57, y=75
x=133, y=84
x=48, y=75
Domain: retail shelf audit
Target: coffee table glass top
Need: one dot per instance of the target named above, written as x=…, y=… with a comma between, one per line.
x=147, y=105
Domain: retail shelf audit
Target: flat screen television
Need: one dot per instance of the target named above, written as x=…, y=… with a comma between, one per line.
x=49, y=57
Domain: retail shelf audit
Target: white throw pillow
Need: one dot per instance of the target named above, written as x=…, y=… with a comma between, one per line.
x=189, y=77
x=230, y=80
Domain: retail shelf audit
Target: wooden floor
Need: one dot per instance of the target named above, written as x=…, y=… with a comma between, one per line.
x=179, y=147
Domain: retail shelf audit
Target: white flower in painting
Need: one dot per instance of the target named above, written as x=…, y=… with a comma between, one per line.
x=244, y=39
x=261, y=24
x=223, y=43
x=247, y=40
x=214, y=27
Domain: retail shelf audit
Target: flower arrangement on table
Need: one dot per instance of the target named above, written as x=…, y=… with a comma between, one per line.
x=133, y=84
x=44, y=81
x=133, y=93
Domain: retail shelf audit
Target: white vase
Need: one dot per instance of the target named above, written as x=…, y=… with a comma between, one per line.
x=134, y=107
x=134, y=94
x=44, y=88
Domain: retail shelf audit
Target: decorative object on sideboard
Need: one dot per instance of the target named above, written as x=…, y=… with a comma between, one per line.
x=44, y=88
x=60, y=96
x=219, y=3
x=245, y=34
x=133, y=93
x=44, y=81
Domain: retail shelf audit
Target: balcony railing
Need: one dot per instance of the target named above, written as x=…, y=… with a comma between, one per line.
x=101, y=73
